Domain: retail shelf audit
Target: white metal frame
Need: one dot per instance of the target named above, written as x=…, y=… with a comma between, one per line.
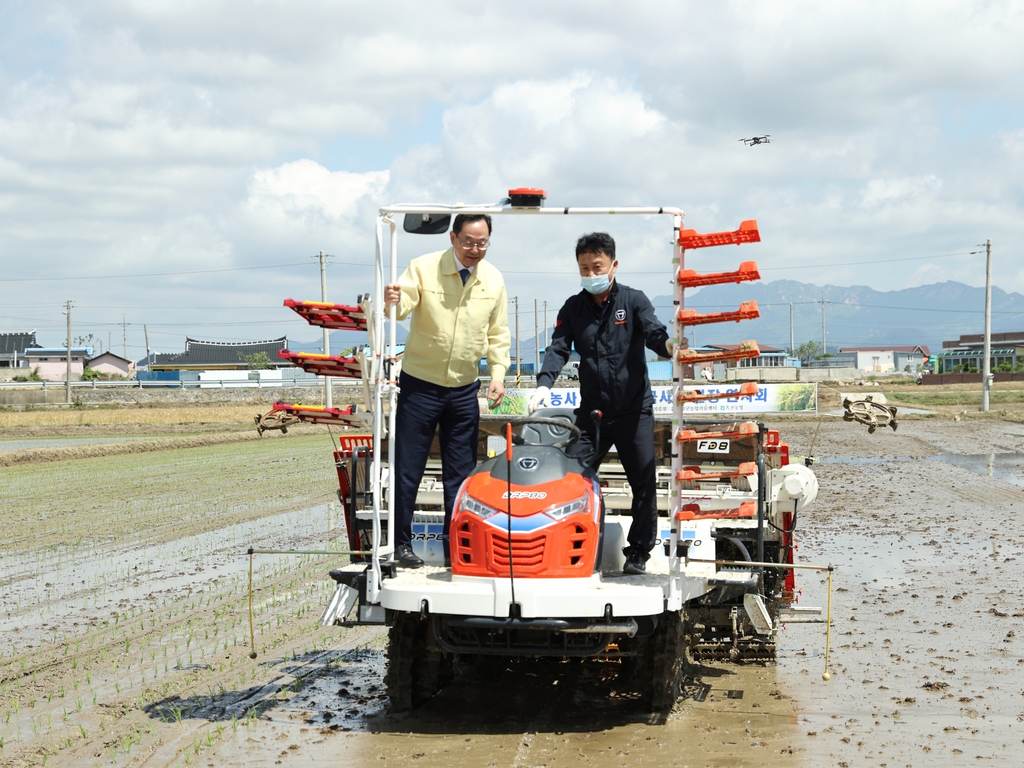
x=386, y=388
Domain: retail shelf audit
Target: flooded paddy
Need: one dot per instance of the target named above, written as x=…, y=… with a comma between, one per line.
x=58, y=442
x=147, y=661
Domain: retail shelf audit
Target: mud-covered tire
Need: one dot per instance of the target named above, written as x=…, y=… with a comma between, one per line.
x=417, y=668
x=661, y=662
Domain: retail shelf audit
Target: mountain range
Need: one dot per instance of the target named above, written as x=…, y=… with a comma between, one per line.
x=854, y=316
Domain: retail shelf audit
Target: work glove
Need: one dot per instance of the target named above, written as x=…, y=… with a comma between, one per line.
x=670, y=346
x=539, y=398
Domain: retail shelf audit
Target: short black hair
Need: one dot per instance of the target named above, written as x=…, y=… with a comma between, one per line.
x=596, y=242
x=469, y=218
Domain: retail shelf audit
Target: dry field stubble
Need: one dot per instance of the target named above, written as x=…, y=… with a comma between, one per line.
x=156, y=419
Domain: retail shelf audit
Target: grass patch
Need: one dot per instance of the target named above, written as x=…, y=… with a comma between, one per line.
x=917, y=397
x=163, y=494
x=228, y=413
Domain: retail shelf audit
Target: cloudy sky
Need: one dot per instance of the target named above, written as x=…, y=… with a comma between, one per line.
x=178, y=165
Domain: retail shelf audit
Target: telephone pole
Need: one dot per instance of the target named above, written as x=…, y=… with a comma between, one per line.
x=124, y=338
x=545, y=323
x=824, y=349
x=518, y=362
x=986, y=368
x=328, y=394
x=145, y=331
x=536, y=340
x=792, y=343
x=67, y=377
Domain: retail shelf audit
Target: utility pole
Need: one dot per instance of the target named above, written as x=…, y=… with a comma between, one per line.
x=67, y=382
x=792, y=342
x=124, y=338
x=545, y=323
x=328, y=395
x=145, y=330
x=986, y=368
x=824, y=349
x=518, y=362
x=536, y=340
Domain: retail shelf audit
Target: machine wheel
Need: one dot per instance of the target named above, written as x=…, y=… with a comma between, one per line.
x=660, y=663
x=417, y=668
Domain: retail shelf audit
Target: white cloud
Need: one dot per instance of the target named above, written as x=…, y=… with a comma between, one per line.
x=130, y=131
x=304, y=187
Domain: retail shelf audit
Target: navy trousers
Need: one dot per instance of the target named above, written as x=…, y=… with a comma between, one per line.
x=422, y=408
x=633, y=437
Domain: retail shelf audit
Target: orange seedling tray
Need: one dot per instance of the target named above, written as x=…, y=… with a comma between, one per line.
x=689, y=278
x=747, y=233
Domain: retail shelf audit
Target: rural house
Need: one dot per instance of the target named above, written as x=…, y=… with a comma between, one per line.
x=219, y=356
x=13, y=347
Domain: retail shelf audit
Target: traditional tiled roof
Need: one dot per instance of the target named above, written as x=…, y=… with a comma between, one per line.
x=216, y=354
x=17, y=342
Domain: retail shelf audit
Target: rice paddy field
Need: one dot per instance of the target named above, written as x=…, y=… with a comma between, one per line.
x=124, y=601
x=125, y=635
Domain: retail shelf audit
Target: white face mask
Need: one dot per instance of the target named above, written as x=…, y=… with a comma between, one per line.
x=596, y=284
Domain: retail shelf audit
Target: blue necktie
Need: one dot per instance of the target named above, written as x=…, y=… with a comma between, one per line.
x=464, y=274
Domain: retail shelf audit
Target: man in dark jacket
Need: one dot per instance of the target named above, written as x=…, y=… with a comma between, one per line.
x=610, y=325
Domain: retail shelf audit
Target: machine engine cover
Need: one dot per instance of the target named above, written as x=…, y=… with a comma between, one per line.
x=556, y=517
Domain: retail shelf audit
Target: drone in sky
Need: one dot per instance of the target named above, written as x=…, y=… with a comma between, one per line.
x=757, y=140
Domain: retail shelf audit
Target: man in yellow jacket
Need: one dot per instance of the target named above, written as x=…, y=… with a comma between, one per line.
x=459, y=315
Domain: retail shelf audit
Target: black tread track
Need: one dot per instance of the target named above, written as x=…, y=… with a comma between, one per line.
x=667, y=650
x=417, y=669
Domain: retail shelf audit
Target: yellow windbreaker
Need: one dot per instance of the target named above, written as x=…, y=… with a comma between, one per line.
x=453, y=325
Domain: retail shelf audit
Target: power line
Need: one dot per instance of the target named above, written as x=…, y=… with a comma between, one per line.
x=765, y=269
x=854, y=306
x=877, y=261
x=168, y=274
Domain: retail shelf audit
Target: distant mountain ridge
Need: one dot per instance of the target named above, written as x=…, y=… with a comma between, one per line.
x=854, y=316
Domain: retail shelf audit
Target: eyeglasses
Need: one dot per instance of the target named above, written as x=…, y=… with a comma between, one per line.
x=478, y=246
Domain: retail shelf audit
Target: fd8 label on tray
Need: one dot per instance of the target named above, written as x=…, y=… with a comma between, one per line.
x=713, y=446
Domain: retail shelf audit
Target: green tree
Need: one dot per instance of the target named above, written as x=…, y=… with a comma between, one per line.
x=81, y=341
x=807, y=351
x=257, y=361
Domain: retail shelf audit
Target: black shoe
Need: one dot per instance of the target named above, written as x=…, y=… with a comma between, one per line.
x=405, y=557
x=636, y=562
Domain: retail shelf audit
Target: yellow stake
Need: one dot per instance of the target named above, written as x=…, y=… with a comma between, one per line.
x=252, y=636
x=828, y=626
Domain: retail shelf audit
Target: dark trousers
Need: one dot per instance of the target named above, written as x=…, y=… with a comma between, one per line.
x=633, y=437
x=423, y=407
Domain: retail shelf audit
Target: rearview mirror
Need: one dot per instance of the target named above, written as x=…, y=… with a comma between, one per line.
x=427, y=223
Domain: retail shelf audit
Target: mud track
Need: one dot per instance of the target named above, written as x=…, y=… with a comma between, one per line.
x=124, y=625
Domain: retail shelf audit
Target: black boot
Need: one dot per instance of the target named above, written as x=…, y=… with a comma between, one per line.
x=636, y=561
x=405, y=557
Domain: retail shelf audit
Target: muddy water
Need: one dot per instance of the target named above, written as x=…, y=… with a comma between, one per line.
x=926, y=663
x=73, y=586
x=17, y=445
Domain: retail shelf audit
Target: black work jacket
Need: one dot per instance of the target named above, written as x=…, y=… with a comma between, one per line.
x=610, y=340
